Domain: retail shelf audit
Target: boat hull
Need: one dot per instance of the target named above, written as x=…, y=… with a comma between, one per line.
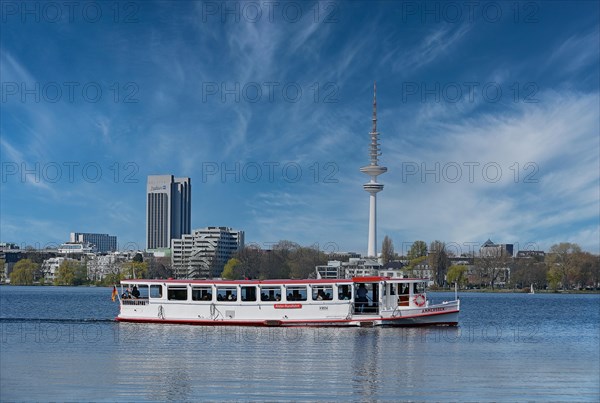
x=437, y=315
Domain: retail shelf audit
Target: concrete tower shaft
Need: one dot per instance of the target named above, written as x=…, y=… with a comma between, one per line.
x=373, y=187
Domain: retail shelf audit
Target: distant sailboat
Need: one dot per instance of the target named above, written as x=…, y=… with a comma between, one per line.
x=531, y=290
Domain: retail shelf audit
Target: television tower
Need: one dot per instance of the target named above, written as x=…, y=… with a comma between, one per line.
x=373, y=170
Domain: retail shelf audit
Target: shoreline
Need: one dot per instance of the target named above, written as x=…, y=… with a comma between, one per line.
x=483, y=290
x=512, y=291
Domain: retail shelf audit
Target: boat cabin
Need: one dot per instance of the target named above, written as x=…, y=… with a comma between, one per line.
x=360, y=301
x=368, y=295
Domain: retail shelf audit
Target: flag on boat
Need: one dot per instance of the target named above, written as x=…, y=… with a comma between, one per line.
x=114, y=293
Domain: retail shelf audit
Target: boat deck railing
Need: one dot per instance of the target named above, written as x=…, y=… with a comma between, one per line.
x=138, y=301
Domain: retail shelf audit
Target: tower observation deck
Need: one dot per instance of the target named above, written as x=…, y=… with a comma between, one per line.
x=373, y=187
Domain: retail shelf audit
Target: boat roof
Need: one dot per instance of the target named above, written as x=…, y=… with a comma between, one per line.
x=370, y=279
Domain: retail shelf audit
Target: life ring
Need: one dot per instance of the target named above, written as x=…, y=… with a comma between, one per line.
x=419, y=300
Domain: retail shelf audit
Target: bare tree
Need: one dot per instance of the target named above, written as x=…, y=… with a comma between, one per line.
x=387, y=250
x=493, y=266
x=438, y=261
x=562, y=263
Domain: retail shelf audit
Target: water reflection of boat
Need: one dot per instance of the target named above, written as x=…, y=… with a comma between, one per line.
x=361, y=301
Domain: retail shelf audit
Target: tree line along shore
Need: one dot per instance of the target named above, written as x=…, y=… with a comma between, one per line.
x=565, y=267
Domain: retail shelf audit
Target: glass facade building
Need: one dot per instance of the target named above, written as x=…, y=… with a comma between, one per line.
x=168, y=210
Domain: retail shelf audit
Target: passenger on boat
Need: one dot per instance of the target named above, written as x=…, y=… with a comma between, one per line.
x=320, y=295
x=135, y=293
x=361, y=297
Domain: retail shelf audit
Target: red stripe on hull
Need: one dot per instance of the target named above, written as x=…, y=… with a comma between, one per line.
x=420, y=315
x=394, y=321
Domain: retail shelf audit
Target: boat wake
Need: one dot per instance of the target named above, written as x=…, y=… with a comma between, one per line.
x=54, y=320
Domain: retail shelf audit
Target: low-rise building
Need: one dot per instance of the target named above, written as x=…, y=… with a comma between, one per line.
x=68, y=248
x=103, y=243
x=490, y=249
x=50, y=267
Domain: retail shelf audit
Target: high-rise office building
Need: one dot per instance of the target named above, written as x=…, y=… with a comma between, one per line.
x=168, y=210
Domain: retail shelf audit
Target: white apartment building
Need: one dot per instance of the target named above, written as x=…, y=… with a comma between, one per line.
x=101, y=265
x=354, y=267
x=50, y=267
x=205, y=251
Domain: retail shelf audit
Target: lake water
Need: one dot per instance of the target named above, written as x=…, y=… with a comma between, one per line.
x=63, y=344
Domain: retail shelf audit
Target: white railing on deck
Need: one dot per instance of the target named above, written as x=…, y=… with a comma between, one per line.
x=139, y=301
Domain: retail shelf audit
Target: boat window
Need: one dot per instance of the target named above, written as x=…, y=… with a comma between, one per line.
x=227, y=294
x=203, y=293
x=322, y=292
x=248, y=293
x=344, y=292
x=419, y=288
x=296, y=293
x=143, y=291
x=270, y=293
x=177, y=292
x=156, y=291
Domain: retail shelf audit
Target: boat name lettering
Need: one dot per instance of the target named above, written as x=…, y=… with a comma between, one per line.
x=287, y=306
x=433, y=310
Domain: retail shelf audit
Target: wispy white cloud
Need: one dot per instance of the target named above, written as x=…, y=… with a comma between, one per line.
x=12, y=70
x=576, y=52
x=560, y=186
x=28, y=172
x=432, y=47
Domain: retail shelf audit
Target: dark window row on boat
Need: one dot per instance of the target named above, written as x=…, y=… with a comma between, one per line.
x=267, y=293
x=366, y=295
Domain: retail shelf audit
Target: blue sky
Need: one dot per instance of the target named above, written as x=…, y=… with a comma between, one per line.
x=489, y=119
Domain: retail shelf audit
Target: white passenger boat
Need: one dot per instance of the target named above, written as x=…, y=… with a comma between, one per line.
x=361, y=301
